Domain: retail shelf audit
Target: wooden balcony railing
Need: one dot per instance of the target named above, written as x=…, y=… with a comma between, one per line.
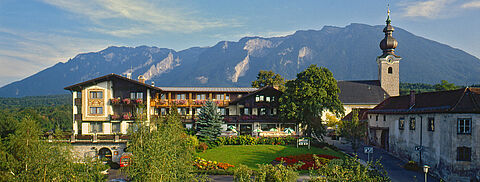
x=78, y=101
x=78, y=117
x=92, y=138
x=185, y=103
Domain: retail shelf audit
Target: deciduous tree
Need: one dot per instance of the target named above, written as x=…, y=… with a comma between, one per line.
x=305, y=98
x=445, y=85
x=353, y=130
x=269, y=78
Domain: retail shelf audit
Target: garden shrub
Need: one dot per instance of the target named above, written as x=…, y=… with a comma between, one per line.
x=202, y=146
x=242, y=174
x=249, y=140
x=349, y=170
x=192, y=141
x=275, y=173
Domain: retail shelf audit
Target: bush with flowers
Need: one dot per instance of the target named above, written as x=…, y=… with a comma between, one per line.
x=305, y=161
x=203, y=164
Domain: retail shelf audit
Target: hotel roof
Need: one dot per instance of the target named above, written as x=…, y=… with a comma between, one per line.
x=208, y=89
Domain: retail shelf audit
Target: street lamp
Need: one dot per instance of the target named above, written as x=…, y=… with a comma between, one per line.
x=425, y=170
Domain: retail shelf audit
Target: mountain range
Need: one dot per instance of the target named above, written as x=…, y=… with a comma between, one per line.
x=349, y=52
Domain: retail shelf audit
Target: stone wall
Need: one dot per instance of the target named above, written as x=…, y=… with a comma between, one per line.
x=82, y=150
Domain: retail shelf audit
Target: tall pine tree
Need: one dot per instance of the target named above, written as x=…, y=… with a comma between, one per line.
x=209, y=123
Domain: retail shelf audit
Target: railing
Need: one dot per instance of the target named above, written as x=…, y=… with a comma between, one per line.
x=88, y=138
x=250, y=118
x=78, y=101
x=186, y=103
x=126, y=101
x=78, y=117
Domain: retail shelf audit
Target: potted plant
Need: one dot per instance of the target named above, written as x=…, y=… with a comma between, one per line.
x=115, y=117
x=127, y=116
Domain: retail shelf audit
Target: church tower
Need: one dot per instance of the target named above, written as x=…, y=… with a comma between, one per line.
x=388, y=62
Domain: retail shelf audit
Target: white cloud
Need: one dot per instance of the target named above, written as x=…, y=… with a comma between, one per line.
x=125, y=18
x=426, y=9
x=473, y=4
x=23, y=53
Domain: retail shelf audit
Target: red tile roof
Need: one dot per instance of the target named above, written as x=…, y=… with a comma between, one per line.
x=465, y=100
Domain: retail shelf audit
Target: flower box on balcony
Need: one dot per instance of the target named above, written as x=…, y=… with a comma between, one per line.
x=180, y=102
x=126, y=101
x=162, y=102
x=139, y=101
x=198, y=102
x=115, y=117
x=127, y=116
x=115, y=101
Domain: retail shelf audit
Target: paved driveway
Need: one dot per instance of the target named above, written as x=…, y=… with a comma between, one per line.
x=392, y=165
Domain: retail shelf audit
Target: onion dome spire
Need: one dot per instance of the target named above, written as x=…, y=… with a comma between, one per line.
x=388, y=44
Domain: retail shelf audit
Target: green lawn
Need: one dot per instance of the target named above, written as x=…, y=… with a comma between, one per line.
x=250, y=155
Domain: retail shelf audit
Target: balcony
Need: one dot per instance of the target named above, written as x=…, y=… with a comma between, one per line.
x=92, y=138
x=78, y=117
x=126, y=101
x=251, y=118
x=124, y=116
x=78, y=101
x=186, y=103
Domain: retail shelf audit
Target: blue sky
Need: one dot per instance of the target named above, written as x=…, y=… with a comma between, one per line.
x=36, y=34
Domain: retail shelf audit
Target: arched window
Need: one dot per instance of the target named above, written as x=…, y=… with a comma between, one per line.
x=390, y=70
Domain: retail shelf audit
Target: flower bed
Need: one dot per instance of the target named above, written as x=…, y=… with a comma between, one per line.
x=203, y=164
x=305, y=161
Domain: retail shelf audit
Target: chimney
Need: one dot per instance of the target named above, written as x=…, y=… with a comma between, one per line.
x=412, y=98
x=141, y=79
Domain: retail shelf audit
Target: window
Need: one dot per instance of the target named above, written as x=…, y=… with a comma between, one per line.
x=96, y=127
x=227, y=112
x=412, y=123
x=115, y=127
x=163, y=111
x=384, y=117
x=267, y=98
x=227, y=97
x=263, y=111
x=246, y=111
x=201, y=96
x=136, y=95
x=96, y=94
x=390, y=70
x=431, y=124
x=182, y=110
x=221, y=110
x=464, y=126
x=198, y=110
x=274, y=111
x=464, y=154
x=401, y=123
x=79, y=94
x=163, y=96
x=139, y=95
x=220, y=97
x=267, y=127
x=181, y=96
x=273, y=99
x=259, y=98
x=376, y=118
x=132, y=127
x=96, y=110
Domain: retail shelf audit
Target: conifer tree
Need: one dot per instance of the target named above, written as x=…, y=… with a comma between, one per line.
x=209, y=123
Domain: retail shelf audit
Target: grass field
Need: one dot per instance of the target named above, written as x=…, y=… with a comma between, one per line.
x=250, y=155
